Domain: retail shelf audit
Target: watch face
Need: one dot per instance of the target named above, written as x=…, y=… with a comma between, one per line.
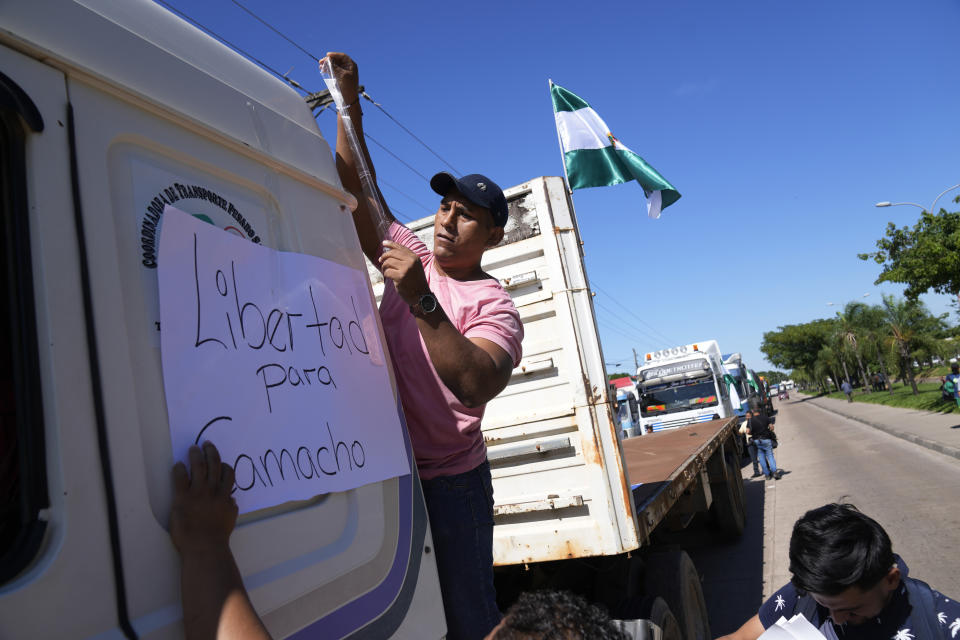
x=428, y=302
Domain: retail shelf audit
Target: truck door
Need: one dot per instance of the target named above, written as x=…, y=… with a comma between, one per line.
x=58, y=576
x=130, y=123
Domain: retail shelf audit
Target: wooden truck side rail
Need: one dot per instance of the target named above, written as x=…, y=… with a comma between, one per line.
x=663, y=468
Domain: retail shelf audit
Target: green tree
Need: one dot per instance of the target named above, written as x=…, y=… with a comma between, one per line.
x=924, y=257
x=912, y=333
x=773, y=377
x=795, y=346
x=875, y=334
x=825, y=366
x=852, y=332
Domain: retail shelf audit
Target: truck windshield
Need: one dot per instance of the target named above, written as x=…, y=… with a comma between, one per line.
x=627, y=409
x=741, y=385
x=683, y=395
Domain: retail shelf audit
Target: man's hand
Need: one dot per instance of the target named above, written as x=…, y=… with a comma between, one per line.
x=402, y=265
x=347, y=75
x=203, y=513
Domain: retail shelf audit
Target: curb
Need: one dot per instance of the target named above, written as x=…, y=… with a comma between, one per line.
x=923, y=442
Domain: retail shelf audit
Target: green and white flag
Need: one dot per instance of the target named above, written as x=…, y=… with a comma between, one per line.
x=593, y=157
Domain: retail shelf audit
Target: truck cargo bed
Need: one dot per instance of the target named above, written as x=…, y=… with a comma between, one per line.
x=662, y=465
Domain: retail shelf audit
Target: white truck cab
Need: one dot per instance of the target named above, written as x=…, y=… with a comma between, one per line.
x=683, y=385
x=109, y=111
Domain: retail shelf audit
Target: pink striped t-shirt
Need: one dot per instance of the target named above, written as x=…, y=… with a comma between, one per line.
x=446, y=435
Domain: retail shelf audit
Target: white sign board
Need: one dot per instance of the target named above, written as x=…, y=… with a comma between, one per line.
x=275, y=358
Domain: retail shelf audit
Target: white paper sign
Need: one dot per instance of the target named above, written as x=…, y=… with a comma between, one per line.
x=796, y=628
x=275, y=358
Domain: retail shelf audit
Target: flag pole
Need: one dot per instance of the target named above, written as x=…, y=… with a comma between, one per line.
x=566, y=178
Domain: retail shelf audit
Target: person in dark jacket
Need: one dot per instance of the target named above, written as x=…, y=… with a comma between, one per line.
x=848, y=582
x=760, y=429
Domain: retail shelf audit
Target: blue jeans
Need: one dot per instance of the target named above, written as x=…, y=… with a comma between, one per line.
x=752, y=450
x=461, y=522
x=765, y=453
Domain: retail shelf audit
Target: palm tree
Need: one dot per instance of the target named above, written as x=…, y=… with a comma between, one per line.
x=847, y=326
x=912, y=331
x=874, y=332
x=839, y=347
x=826, y=364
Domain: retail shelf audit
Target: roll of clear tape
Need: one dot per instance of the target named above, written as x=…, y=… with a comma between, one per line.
x=367, y=182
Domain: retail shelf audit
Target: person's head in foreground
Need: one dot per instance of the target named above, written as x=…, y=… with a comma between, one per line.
x=844, y=560
x=554, y=615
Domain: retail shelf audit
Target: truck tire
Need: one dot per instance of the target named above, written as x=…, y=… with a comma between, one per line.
x=672, y=576
x=728, y=509
x=653, y=609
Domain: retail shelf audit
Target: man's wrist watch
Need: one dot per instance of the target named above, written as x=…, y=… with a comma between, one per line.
x=426, y=303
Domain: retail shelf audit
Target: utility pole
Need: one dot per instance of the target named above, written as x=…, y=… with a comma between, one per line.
x=636, y=362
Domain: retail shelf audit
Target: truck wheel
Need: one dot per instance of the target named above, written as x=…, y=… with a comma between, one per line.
x=728, y=507
x=653, y=609
x=672, y=576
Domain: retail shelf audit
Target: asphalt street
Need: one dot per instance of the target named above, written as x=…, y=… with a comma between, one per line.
x=912, y=491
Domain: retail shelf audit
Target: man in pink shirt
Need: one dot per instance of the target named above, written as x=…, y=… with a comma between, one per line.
x=454, y=336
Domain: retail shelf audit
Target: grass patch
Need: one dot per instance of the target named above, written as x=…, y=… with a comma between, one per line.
x=928, y=399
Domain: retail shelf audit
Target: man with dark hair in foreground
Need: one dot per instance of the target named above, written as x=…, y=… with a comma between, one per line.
x=554, y=615
x=848, y=582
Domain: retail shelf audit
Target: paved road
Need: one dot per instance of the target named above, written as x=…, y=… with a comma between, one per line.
x=913, y=491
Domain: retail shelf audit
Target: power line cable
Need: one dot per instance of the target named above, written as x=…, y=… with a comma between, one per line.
x=653, y=334
x=642, y=321
x=362, y=92
x=293, y=83
x=275, y=30
x=400, y=215
x=401, y=160
x=407, y=196
x=617, y=331
x=633, y=337
x=411, y=133
x=646, y=334
x=285, y=77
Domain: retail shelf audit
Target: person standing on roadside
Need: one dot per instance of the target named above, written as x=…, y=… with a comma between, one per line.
x=454, y=337
x=847, y=389
x=954, y=378
x=760, y=429
x=751, y=446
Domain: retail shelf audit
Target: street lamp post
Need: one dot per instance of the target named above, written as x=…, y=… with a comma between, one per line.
x=932, y=208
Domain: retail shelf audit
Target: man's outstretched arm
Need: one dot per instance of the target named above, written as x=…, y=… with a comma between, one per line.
x=348, y=167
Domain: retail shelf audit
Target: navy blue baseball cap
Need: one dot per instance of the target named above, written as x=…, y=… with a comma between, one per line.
x=478, y=189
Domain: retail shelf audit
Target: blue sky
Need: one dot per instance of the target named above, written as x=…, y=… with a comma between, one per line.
x=780, y=123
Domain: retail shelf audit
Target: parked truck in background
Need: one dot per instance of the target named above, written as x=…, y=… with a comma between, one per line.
x=627, y=406
x=741, y=380
x=683, y=385
x=577, y=506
